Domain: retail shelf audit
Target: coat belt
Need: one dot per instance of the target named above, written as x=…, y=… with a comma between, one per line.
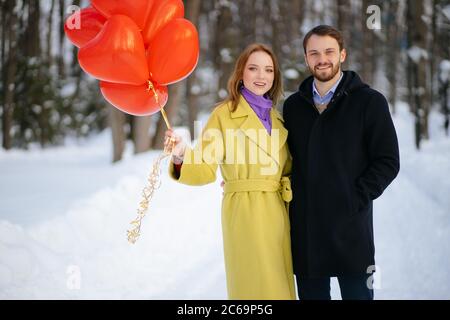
x=283, y=186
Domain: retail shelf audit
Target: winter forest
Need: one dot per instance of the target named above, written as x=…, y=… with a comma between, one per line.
x=72, y=166
x=399, y=47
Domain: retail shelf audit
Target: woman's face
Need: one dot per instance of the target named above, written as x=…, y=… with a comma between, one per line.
x=259, y=73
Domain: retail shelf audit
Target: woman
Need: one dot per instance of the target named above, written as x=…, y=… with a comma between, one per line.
x=246, y=138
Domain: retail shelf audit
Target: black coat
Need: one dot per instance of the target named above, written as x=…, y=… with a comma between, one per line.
x=342, y=160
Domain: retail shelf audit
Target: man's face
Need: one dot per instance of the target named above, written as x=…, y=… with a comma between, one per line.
x=323, y=57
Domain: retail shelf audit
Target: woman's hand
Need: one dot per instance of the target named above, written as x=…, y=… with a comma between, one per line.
x=179, y=146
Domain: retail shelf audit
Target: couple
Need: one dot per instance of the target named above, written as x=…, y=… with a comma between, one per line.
x=344, y=154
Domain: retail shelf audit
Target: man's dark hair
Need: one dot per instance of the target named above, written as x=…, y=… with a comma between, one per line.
x=324, y=30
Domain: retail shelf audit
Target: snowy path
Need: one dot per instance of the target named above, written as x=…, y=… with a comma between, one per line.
x=412, y=219
x=64, y=213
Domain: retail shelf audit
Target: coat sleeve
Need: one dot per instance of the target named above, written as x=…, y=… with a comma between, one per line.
x=382, y=147
x=200, y=163
x=286, y=116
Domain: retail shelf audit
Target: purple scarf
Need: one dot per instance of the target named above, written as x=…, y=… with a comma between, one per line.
x=261, y=105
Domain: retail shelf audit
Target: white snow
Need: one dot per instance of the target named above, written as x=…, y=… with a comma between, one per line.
x=64, y=213
x=446, y=11
x=444, y=73
x=68, y=90
x=225, y=54
x=291, y=74
x=417, y=53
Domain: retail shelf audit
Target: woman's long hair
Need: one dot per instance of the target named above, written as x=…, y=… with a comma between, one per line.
x=235, y=81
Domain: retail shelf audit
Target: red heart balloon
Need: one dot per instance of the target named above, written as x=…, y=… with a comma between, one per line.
x=116, y=54
x=137, y=10
x=134, y=100
x=173, y=53
x=89, y=21
x=162, y=13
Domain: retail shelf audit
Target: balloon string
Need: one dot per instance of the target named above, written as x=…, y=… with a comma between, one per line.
x=153, y=180
x=151, y=87
x=153, y=183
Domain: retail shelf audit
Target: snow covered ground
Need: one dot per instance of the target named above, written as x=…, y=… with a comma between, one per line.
x=64, y=213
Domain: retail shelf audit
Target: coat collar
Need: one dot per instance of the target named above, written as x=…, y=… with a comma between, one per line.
x=243, y=109
x=252, y=122
x=350, y=82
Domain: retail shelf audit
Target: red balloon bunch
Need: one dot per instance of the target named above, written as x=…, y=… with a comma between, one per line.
x=135, y=48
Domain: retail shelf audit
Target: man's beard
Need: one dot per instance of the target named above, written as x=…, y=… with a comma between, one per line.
x=328, y=76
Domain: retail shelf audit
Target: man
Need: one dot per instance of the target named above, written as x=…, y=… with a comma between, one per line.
x=345, y=153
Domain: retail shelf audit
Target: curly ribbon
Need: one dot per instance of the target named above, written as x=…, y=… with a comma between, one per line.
x=153, y=180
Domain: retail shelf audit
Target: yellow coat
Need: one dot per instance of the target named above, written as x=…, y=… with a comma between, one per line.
x=255, y=222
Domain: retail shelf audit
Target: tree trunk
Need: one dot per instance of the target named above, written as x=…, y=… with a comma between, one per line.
x=10, y=71
x=287, y=17
x=246, y=26
x=418, y=64
x=117, y=121
x=367, y=48
x=443, y=95
x=392, y=50
x=61, y=65
x=49, y=34
x=35, y=70
x=74, y=63
x=279, y=16
x=3, y=22
x=192, y=14
x=141, y=136
x=260, y=19
x=225, y=48
x=32, y=33
x=344, y=20
x=297, y=9
x=443, y=54
x=433, y=53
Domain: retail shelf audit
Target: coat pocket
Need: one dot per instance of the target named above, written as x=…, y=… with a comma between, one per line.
x=357, y=199
x=355, y=202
